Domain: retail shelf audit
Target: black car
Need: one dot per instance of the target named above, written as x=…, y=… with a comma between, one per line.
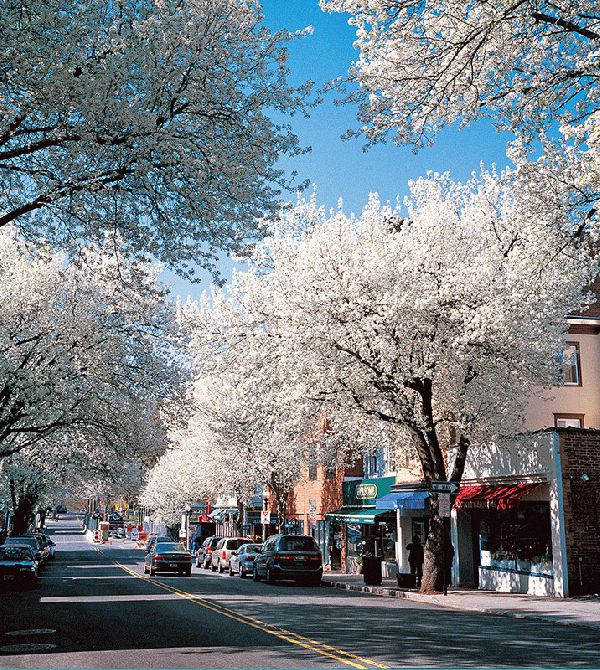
x=41, y=553
x=294, y=557
x=115, y=521
x=204, y=553
x=17, y=565
x=168, y=557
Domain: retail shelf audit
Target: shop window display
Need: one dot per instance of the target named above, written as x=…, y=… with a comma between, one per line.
x=517, y=540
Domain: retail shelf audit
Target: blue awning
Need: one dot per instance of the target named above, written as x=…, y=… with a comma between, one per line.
x=405, y=501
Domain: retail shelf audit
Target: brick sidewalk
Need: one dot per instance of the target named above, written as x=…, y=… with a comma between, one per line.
x=565, y=611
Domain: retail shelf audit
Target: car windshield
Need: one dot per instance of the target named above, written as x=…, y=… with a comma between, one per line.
x=252, y=548
x=235, y=544
x=15, y=554
x=161, y=539
x=30, y=541
x=165, y=547
x=297, y=544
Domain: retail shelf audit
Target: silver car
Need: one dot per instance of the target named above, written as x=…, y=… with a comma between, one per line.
x=222, y=553
x=242, y=560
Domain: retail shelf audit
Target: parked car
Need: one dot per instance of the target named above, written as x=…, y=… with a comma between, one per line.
x=61, y=509
x=48, y=543
x=152, y=541
x=115, y=521
x=242, y=560
x=168, y=557
x=204, y=553
x=18, y=565
x=294, y=557
x=40, y=551
x=222, y=552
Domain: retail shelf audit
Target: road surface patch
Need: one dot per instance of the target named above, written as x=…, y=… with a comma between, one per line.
x=32, y=631
x=315, y=646
x=31, y=648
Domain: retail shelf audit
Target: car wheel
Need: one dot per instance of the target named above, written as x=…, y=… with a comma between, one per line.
x=188, y=572
x=269, y=576
x=241, y=572
x=255, y=575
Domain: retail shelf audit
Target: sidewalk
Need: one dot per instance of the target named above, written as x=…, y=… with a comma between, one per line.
x=565, y=611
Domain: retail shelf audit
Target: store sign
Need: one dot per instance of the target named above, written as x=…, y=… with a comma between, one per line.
x=444, y=504
x=366, y=491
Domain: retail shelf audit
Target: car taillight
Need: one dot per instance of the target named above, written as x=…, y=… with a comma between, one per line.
x=283, y=557
x=209, y=550
x=224, y=554
x=159, y=558
x=248, y=559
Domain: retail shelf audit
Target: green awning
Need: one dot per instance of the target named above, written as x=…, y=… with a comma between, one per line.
x=363, y=515
x=218, y=515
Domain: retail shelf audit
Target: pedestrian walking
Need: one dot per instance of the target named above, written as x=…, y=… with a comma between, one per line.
x=416, y=558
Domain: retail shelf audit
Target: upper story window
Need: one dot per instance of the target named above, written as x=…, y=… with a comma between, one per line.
x=571, y=365
x=568, y=420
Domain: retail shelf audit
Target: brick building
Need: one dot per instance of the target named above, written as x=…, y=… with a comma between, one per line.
x=580, y=459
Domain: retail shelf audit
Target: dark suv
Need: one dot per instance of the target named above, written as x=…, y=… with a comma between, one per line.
x=204, y=553
x=294, y=557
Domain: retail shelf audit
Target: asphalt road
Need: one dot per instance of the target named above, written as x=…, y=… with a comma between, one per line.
x=95, y=608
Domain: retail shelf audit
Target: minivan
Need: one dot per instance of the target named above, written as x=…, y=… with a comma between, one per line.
x=294, y=557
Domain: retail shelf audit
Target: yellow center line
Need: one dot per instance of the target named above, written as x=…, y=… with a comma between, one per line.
x=277, y=631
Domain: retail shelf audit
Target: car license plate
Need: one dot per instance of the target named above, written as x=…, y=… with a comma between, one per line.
x=8, y=578
x=301, y=558
x=172, y=565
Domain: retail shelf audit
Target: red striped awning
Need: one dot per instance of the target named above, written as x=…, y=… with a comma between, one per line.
x=486, y=496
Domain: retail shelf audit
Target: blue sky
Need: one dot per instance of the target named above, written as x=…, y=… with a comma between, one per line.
x=340, y=168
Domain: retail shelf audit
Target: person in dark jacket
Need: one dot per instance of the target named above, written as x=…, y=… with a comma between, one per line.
x=416, y=558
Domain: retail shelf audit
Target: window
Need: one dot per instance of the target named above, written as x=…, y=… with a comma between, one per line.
x=571, y=365
x=568, y=420
x=330, y=472
x=312, y=467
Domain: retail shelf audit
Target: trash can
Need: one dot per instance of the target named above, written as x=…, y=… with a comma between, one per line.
x=371, y=567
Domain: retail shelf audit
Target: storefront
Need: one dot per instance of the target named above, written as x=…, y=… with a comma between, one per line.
x=224, y=519
x=410, y=504
x=359, y=522
x=508, y=520
x=510, y=526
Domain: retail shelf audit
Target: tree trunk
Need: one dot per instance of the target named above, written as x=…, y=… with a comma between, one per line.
x=239, y=523
x=22, y=514
x=438, y=553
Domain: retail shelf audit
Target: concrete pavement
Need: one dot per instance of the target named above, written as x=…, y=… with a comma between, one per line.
x=565, y=611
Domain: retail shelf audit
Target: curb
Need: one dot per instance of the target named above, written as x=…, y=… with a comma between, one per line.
x=440, y=601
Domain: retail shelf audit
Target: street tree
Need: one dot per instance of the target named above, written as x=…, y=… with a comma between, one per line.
x=425, y=330
x=148, y=119
x=86, y=348
x=531, y=67
x=262, y=434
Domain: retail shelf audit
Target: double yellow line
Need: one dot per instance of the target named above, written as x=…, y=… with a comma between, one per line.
x=321, y=648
